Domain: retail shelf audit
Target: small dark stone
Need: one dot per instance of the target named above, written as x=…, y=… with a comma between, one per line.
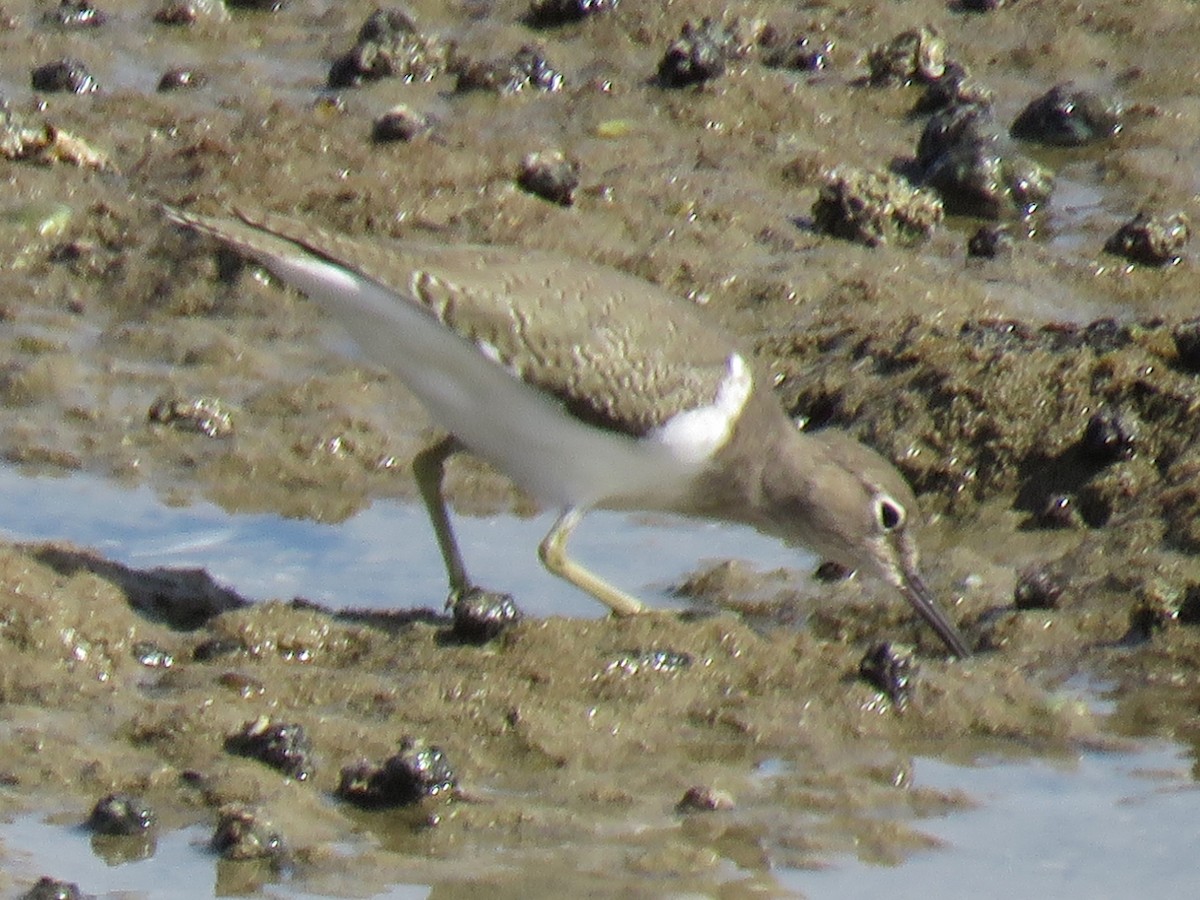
x=553, y=13
x=1109, y=436
x=801, y=54
x=215, y=648
x=179, y=79
x=701, y=798
x=151, y=655
x=202, y=415
x=956, y=126
x=480, y=616
x=1038, y=589
x=892, y=669
x=525, y=69
x=76, y=14
x=1066, y=116
x=64, y=75
x=240, y=834
x=1187, y=344
x=1157, y=606
x=915, y=55
x=282, y=746
x=121, y=814
x=990, y=241
x=188, y=12
x=400, y=123
x=418, y=771
x=698, y=55
x=981, y=5
x=1060, y=512
x=388, y=45
x=956, y=87
x=551, y=176
x=259, y=5
x=1151, y=240
x=830, y=572
x=48, y=888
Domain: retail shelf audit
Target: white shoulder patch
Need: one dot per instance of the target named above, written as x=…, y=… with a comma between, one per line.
x=694, y=435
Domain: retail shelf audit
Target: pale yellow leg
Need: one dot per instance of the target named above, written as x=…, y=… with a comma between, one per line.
x=553, y=553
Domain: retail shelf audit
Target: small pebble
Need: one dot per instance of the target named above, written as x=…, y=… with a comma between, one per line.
x=915, y=55
x=76, y=14
x=48, y=888
x=121, y=814
x=400, y=123
x=240, y=834
x=281, y=745
x=63, y=76
x=553, y=13
x=1151, y=240
x=1066, y=116
x=1110, y=436
x=990, y=241
x=1038, y=589
x=180, y=79
x=480, y=616
x=551, y=176
x=1060, y=511
x=202, y=415
x=1187, y=344
x=701, y=798
x=418, y=771
x=698, y=55
x=892, y=669
x=151, y=655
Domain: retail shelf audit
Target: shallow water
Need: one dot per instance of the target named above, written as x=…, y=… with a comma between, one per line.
x=382, y=558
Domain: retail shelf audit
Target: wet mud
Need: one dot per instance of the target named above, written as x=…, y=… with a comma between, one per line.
x=1043, y=403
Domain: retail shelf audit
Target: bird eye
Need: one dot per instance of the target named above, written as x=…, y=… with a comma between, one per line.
x=890, y=513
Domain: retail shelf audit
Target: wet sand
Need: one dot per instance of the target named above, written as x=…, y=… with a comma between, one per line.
x=979, y=378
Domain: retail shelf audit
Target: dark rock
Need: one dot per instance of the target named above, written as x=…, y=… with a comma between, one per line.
x=418, y=771
x=553, y=13
x=1038, y=589
x=1151, y=240
x=76, y=14
x=990, y=241
x=698, y=55
x=282, y=746
x=892, y=669
x=63, y=76
x=527, y=69
x=1110, y=436
x=1066, y=116
x=551, y=176
x=179, y=79
x=121, y=814
x=480, y=616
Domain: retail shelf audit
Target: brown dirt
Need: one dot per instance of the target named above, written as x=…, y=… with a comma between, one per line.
x=977, y=378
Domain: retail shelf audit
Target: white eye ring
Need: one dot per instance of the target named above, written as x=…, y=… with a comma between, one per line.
x=888, y=513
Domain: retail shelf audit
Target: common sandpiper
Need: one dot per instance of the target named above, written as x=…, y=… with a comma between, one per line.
x=591, y=388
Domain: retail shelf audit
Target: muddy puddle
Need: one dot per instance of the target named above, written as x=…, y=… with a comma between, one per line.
x=1041, y=397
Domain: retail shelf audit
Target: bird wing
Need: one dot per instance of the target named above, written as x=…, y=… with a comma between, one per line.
x=617, y=351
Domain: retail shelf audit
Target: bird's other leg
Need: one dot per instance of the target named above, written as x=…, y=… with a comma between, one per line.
x=553, y=553
x=429, y=470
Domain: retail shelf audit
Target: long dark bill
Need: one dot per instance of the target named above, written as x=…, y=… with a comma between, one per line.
x=921, y=599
